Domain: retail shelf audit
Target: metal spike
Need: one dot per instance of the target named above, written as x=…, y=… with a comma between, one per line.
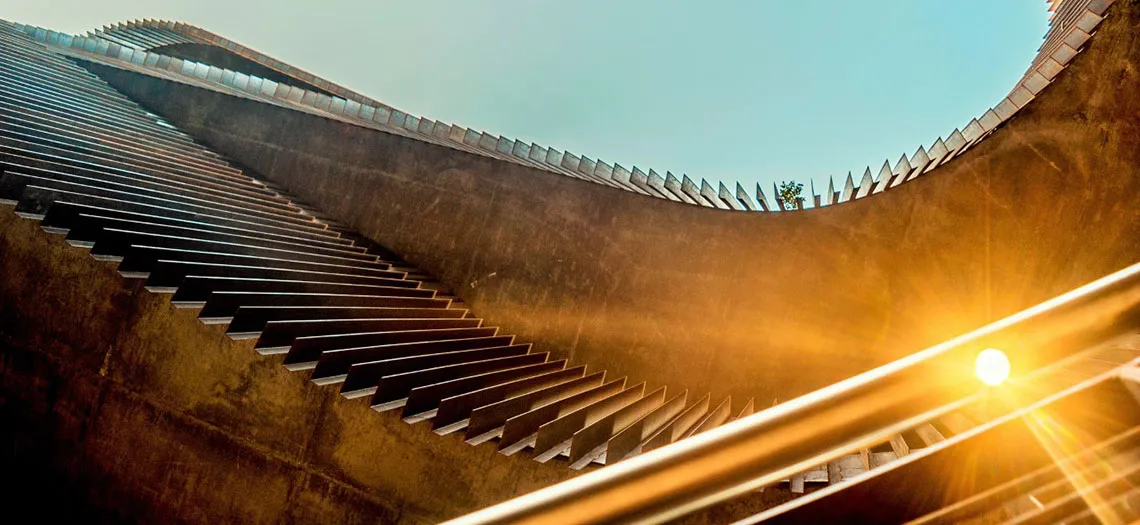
x=865, y=185
x=955, y=143
x=901, y=170
x=570, y=161
x=848, y=189
x=938, y=152
x=555, y=157
x=990, y=120
x=688, y=187
x=586, y=165
x=603, y=170
x=537, y=153
x=471, y=137
x=728, y=198
x=919, y=160
x=487, y=141
x=710, y=195
x=1021, y=96
x=456, y=133
x=674, y=186
x=972, y=131
x=657, y=182
x=505, y=145
x=1006, y=109
x=442, y=130
x=884, y=178
x=762, y=200
x=744, y=199
x=829, y=197
x=622, y=175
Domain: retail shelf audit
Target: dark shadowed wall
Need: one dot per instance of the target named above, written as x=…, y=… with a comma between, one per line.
x=771, y=305
x=117, y=406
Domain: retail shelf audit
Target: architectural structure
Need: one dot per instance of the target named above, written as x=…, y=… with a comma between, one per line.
x=534, y=313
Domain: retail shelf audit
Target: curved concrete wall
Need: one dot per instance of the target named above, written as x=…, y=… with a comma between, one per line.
x=144, y=46
x=771, y=305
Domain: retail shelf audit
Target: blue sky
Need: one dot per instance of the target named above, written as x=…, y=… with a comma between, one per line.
x=755, y=91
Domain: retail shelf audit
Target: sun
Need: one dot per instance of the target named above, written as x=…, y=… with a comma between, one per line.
x=992, y=366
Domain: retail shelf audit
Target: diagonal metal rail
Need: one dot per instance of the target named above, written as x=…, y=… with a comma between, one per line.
x=764, y=448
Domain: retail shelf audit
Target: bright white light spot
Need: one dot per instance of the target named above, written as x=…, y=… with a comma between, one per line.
x=992, y=366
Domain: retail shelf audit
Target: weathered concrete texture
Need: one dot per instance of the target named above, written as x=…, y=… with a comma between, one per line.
x=121, y=407
x=771, y=305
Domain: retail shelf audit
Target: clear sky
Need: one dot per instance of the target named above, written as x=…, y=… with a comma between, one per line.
x=756, y=91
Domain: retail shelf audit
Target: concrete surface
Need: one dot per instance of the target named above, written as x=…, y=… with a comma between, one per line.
x=130, y=409
x=765, y=305
x=117, y=406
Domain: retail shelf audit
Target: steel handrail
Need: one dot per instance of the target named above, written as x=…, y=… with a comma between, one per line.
x=774, y=444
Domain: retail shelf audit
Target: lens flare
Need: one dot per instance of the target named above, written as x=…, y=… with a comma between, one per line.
x=992, y=366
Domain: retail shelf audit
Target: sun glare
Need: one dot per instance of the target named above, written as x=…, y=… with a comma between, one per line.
x=992, y=366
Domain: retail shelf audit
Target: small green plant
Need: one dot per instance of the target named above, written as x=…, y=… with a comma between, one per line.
x=789, y=197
